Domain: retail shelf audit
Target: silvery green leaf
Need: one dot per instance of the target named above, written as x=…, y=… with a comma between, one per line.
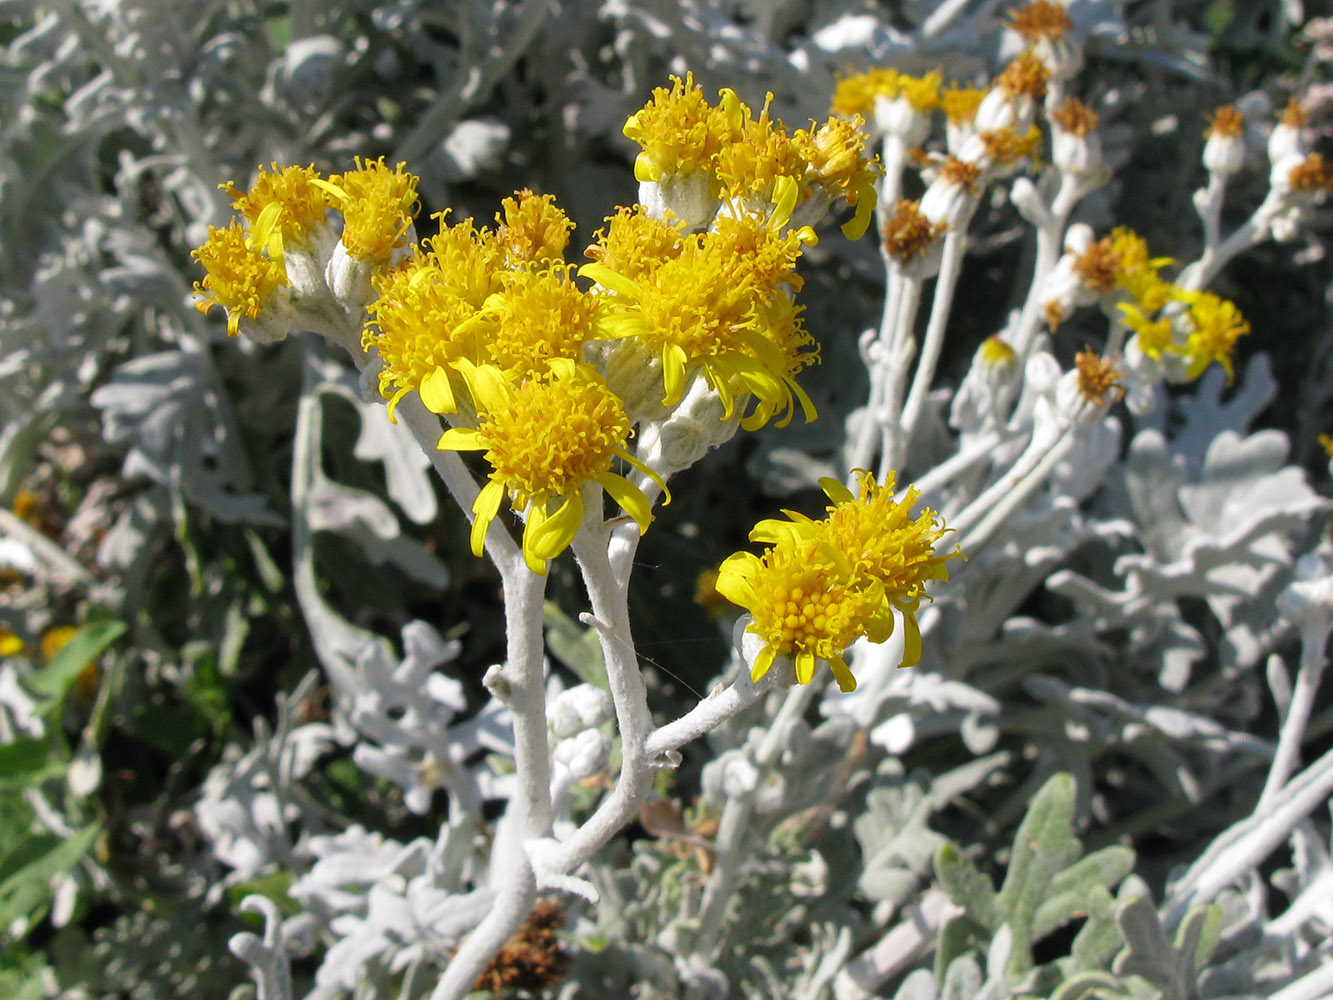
x=367, y=521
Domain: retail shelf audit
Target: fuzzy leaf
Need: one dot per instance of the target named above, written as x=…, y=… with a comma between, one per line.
x=1069, y=891
x=1170, y=966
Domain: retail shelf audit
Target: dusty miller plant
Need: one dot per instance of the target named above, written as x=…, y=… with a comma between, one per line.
x=1130, y=646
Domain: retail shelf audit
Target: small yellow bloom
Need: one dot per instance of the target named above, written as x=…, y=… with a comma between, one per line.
x=708, y=310
x=10, y=644
x=240, y=278
x=377, y=205
x=855, y=94
x=960, y=102
x=284, y=207
x=1216, y=324
x=825, y=583
x=546, y=439
x=420, y=325
x=836, y=156
x=760, y=163
x=533, y=229
x=633, y=242
x=680, y=132
x=1155, y=335
x=538, y=315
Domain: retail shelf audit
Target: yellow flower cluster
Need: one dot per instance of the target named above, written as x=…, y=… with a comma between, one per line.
x=824, y=583
x=1199, y=326
x=752, y=162
x=492, y=328
x=288, y=209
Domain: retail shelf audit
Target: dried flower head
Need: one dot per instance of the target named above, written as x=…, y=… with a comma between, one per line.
x=531, y=961
x=1098, y=378
x=1026, y=76
x=1075, y=117
x=1040, y=20
x=1311, y=175
x=908, y=233
x=1225, y=121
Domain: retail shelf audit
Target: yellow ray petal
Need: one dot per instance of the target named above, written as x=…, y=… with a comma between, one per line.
x=484, y=509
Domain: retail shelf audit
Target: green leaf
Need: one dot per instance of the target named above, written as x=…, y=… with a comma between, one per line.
x=54, y=680
x=1069, y=892
x=967, y=887
x=27, y=870
x=1171, y=966
x=28, y=762
x=1042, y=847
x=578, y=648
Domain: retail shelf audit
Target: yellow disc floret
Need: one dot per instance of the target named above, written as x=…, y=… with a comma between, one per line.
x=634, y=242
x=283, y=206
x=539, y=315
x=680, y=132
x=804, y=606
x=420, y=325
x=532, y=228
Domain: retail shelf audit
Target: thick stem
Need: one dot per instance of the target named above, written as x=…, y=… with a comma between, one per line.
x=525, y=684
x=990, y=510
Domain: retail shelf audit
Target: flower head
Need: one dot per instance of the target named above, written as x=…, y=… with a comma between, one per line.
x=377, y=205
x=539, y=314
x=421, y=324
x=546, y=439
x=285, y=206
x=241, y=278
x=707, y=310
x=838, y=165
x=1215, y=326
x=634, y=242
x=679, y=131
x=532, y=228
x=825, y=583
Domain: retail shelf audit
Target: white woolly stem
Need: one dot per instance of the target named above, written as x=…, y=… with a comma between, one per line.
x=955, y=245
x=1308, y=676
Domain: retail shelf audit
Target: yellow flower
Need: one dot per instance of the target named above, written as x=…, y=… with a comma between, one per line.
x=856, y=94
x=836, y=156
x=1154, y=334
x=706, y=309
x=538, y=315
x=240, y=277
x=760, y=163
x=420, y=325
x=377, y=205
x=1216, y=324
x=960, y=102
x=680, y=132
x=804, y=605
x=10, y=644
x=634, y=242
x=869, y=546
x=546, y=439
x=286, y=206
x=533, y=229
